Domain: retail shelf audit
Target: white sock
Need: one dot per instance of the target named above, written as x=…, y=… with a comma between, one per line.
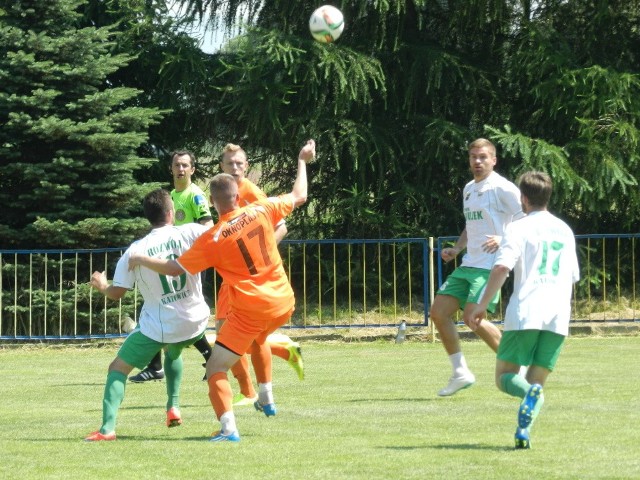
x=458, y=364
x=265, y=393
x=228, y=423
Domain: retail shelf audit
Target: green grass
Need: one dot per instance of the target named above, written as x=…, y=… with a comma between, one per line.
x=366, y=411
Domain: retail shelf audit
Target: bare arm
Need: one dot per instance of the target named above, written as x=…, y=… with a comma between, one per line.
x=280, y=232
x=99, y=282
x=450, y=253
x=306, y=155
x=159, y=265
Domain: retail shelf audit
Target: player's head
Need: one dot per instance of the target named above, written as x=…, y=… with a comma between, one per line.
x=482, y=158
x=234, y=161
x=158, y=207
x=535, y=188
x=224, y=193
x=183, y=165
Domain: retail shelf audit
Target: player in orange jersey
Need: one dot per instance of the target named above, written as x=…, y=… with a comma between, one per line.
x=242, y=248
x=234, y=162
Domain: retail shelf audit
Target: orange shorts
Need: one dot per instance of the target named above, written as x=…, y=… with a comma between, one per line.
x=222, y=304
x=239, y=331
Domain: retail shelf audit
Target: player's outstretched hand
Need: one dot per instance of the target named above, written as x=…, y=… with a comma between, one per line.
x=308, y=152
x=99, y=280
x=475, y=317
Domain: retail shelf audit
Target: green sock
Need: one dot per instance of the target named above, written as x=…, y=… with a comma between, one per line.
x=173, y=377
x=518, y=385
x=113, y=396
x=514, y=384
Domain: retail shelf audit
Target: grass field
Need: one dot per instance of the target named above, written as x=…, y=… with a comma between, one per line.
x=365, y=411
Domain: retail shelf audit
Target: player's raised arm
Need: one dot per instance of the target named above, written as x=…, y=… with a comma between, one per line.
x=160, y=265
x=306, y=155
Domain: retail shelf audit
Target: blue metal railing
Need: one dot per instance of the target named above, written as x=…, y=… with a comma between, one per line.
x=45, y=294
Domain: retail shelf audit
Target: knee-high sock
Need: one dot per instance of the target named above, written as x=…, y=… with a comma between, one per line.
x=240, y=370
x=113, y=396
x=173, y=377
x=203, y=347
x=279, y=351
x=514, y=384
x=261, y=360
x=220, y=393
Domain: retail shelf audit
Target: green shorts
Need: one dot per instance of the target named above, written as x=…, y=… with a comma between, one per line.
x=138, y=349
x=531, y=347
x=467, y=285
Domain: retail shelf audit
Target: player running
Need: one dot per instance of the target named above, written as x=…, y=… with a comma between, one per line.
x=541, y=249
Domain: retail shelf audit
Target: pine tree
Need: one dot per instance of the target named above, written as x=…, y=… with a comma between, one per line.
x=69, y=140
x=169, y=67
x=394, y=102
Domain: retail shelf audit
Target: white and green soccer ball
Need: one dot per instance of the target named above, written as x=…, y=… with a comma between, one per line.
x=326, y=24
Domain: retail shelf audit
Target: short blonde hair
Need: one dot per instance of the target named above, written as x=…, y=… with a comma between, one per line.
x=233, y=148
x=482, y=142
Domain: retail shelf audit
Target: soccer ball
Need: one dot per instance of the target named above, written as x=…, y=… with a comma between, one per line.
x=326, y=24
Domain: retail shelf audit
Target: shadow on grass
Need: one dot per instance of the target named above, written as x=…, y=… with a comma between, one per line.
x=472, y=446
x=65, y=385
x=149, y=438
x=394, y=400
x=453, y=446
x=156, y=406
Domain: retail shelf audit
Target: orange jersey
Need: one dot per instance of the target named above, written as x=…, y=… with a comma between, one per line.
x=249, y=192
x=242, y=249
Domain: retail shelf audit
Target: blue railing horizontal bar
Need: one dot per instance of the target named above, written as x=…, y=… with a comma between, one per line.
x=64, y=251
x=52, y=290
x=354, y=241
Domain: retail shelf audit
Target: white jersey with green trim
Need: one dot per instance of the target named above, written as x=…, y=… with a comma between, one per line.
x=174, y=308
x=541, y=249
x=488, y=206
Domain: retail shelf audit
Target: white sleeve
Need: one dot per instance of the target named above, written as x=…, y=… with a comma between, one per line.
x=509, y=196
x=510, y=249
x=122, y=276
x=191, y=231
x=574, y=260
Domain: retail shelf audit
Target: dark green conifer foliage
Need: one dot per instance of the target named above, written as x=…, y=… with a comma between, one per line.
x=394, y=102
x=68, y=139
